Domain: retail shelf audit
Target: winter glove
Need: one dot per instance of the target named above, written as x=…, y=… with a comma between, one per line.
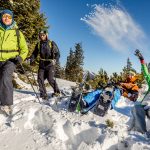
x=31, y=60
x=138, y=54
x=18, y=60
x=28, y=60
x=53, y=61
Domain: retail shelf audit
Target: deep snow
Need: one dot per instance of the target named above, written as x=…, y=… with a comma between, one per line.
x=38, y=126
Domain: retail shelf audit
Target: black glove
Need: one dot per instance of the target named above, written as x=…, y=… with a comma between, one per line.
x=138, y=54
x=18, y=60
x=31, y=60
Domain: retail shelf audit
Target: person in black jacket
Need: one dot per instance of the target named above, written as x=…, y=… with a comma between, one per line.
x=47, y=54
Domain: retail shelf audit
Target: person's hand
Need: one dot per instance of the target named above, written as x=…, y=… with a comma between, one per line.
x=18, y=60
x=138, y=54
x=53, y=61
x=28, y=60
x=31, y=60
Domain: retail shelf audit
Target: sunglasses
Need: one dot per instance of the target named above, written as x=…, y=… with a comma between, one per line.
x=7, y=16
x=42, y=35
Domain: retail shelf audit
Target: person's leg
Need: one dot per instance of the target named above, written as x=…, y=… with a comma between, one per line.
x=41, y=79
x=6, y=85
x=139, y=115
x=132, y=120
x=51, y=80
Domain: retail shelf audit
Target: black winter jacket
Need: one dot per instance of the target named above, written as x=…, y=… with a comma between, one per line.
x=44, y=51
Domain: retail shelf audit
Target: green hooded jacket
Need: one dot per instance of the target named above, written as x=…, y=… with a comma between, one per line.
x=9, y=45
x=146, y=74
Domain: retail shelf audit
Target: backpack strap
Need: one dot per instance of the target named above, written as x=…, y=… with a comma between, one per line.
x=18, y=38
x=50, y=44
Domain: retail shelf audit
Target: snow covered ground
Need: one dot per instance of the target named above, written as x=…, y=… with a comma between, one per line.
x=38, y=126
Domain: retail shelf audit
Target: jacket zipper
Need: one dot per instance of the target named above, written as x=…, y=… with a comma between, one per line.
x=7, y=36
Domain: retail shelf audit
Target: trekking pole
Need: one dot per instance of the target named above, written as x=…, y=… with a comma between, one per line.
x=30, y=82
x=34, y=79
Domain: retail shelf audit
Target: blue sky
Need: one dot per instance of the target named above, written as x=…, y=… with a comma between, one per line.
x=110, y=30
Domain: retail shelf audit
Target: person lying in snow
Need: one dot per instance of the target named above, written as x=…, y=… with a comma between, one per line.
x=100, y=99
x=142, y=109
x=130, y=89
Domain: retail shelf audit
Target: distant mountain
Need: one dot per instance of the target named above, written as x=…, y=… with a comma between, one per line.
x=91, y=74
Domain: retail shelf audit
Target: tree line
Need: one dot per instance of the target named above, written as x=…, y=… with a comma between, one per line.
x=30, y=20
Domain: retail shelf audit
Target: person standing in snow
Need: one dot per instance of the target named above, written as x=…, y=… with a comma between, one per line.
x=13, y=50
x=142, y=109
x=47, y=54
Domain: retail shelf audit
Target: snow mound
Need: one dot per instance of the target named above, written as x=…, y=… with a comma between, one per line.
x=44, y=125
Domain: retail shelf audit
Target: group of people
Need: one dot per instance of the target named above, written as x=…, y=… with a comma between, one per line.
x=14, y=50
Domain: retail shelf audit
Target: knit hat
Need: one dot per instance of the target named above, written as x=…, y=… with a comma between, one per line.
x=6, y=11
x=44, y=31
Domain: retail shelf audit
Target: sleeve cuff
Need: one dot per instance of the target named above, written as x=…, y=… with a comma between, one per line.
x=142, y=61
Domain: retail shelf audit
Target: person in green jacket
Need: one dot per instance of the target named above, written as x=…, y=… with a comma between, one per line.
x=142, y=108
x=13, y=50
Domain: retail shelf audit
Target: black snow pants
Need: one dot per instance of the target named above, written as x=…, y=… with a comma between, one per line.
x=139, y=116
x=6, y=86
x=47, y=73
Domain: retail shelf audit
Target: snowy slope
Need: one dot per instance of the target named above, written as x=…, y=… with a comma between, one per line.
x=37, y=126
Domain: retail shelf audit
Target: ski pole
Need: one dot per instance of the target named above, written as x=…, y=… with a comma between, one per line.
x=34, y=78
x=30, y=82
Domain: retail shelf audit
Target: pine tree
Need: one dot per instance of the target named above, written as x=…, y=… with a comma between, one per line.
x=69, y=65
x=100, y=80
x=62, y=73
x=58, y=70
x=127, y=69
x=28, y=17
x=74, y=65
x=115, y=78
x=129, y=65
x=78, y=70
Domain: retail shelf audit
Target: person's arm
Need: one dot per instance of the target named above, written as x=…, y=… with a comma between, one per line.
x=23, y=47
x=34, y=54
x=126, y=86
x=56, y=51
x=143, y=66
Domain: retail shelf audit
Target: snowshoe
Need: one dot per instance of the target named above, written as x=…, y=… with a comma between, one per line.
x=104, y=102
x=75, y=98
x=89, y=101
x=6, y=110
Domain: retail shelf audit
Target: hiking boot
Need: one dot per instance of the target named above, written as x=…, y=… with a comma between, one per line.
x=44, y=96
x=6, y=109
x=56, y=94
